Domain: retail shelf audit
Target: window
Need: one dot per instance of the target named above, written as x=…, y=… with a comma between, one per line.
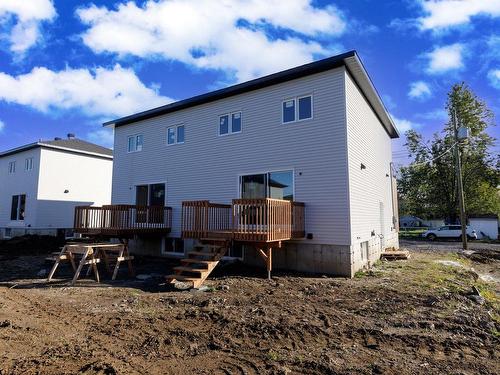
x=297, y=109
x=173, y=245
x=305, y=107
x=175, y=135
x=230, y=123
x=135, y=143
x=17, y=210
x=28, y=164
x=289, y=110
x=277, y=185
x=12, y=167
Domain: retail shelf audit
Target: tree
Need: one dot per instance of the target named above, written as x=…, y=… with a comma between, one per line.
x=428, y=187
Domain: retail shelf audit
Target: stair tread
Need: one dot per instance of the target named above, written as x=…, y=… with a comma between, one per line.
x=202, y=253
x=182, y=277
x=190, y=269
x=191, y=260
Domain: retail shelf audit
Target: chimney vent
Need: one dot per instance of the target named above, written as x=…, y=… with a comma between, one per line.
x=71, y=136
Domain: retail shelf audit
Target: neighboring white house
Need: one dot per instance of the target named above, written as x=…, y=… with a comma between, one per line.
x=485, y=225
x=42, y=182
x=317, y=134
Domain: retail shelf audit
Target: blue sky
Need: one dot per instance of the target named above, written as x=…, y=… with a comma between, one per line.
x=66, y=66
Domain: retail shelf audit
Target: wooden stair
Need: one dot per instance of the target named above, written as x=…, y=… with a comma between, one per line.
x=392, y=254
x=200, y=262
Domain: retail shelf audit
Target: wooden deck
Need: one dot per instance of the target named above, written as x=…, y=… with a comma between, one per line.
x=245, y=220
x=122, y=220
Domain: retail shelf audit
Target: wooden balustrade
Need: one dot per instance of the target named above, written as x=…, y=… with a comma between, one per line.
x=122, y=219
x=199, y=218
x=254, y=220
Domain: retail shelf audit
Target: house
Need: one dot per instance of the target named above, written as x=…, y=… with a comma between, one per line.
x=42, y=182
x=486, y=225
x=298, y=162
x=409, y=221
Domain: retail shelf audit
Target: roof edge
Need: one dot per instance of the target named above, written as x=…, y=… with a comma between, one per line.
x=255, y=84
x=33, y=145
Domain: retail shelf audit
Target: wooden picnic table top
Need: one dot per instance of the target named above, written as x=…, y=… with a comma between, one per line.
x=100, y=245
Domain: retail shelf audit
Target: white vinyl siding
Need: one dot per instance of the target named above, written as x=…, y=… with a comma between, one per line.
x=209, y=166
x=369, y=188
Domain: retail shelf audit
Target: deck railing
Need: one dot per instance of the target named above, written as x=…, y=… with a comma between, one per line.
x=122, y=219
x=199, y=218
x=255, y=220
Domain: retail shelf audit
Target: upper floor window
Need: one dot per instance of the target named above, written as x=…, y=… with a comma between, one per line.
x=12, y=167
x=135, y=143
x=297, y=109
x=28, y=164
x=230, y=123
x=175, y=135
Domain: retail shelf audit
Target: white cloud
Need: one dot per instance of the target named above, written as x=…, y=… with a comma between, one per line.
x=98, y=93
x=494, y=77
x=21, y=21
x=419, y=90
x=2, y=126
x=445, y=59
x=104, y=137
x=445, y=14
x=231, y=35
x=436, y=114
x=404, y=125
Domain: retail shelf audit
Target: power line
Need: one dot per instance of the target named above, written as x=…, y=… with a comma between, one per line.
x=437, y=157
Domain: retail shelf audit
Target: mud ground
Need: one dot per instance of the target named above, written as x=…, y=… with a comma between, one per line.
x=404, y=317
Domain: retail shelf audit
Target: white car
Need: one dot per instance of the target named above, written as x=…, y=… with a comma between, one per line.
x=449, y=231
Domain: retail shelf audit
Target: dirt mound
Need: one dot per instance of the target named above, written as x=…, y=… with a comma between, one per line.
x=406, y=317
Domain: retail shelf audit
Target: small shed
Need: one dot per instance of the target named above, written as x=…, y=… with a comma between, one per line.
x=486, y=225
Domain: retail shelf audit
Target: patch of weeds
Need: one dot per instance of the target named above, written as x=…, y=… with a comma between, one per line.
x=367, y=273
x=460, y=259
x=272, y=355
x=488, y=293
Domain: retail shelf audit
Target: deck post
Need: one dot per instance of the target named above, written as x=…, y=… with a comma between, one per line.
x=269, y=261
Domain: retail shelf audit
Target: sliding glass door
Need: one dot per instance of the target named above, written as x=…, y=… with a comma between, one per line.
x=277, y=185
x=150, y=195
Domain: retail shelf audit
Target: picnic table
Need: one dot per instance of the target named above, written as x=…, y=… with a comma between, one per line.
x=91, y=254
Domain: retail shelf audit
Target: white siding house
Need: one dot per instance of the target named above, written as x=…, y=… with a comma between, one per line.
x=42, y=182
x=318, y=134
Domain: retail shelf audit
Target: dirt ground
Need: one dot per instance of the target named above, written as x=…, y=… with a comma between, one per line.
x=403, y=317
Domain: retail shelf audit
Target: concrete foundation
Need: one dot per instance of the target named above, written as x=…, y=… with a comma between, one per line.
x=22, y=231
x=327, y=259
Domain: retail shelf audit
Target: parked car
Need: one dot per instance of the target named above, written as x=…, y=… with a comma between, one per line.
x=449, y=231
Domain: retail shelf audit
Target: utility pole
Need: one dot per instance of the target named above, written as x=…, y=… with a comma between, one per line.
x=458, y=168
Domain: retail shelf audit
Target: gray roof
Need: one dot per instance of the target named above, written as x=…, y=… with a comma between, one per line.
x=74, y=145
x=349, y=59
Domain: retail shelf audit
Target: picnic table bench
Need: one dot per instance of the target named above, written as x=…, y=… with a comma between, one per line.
x=91, y=254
